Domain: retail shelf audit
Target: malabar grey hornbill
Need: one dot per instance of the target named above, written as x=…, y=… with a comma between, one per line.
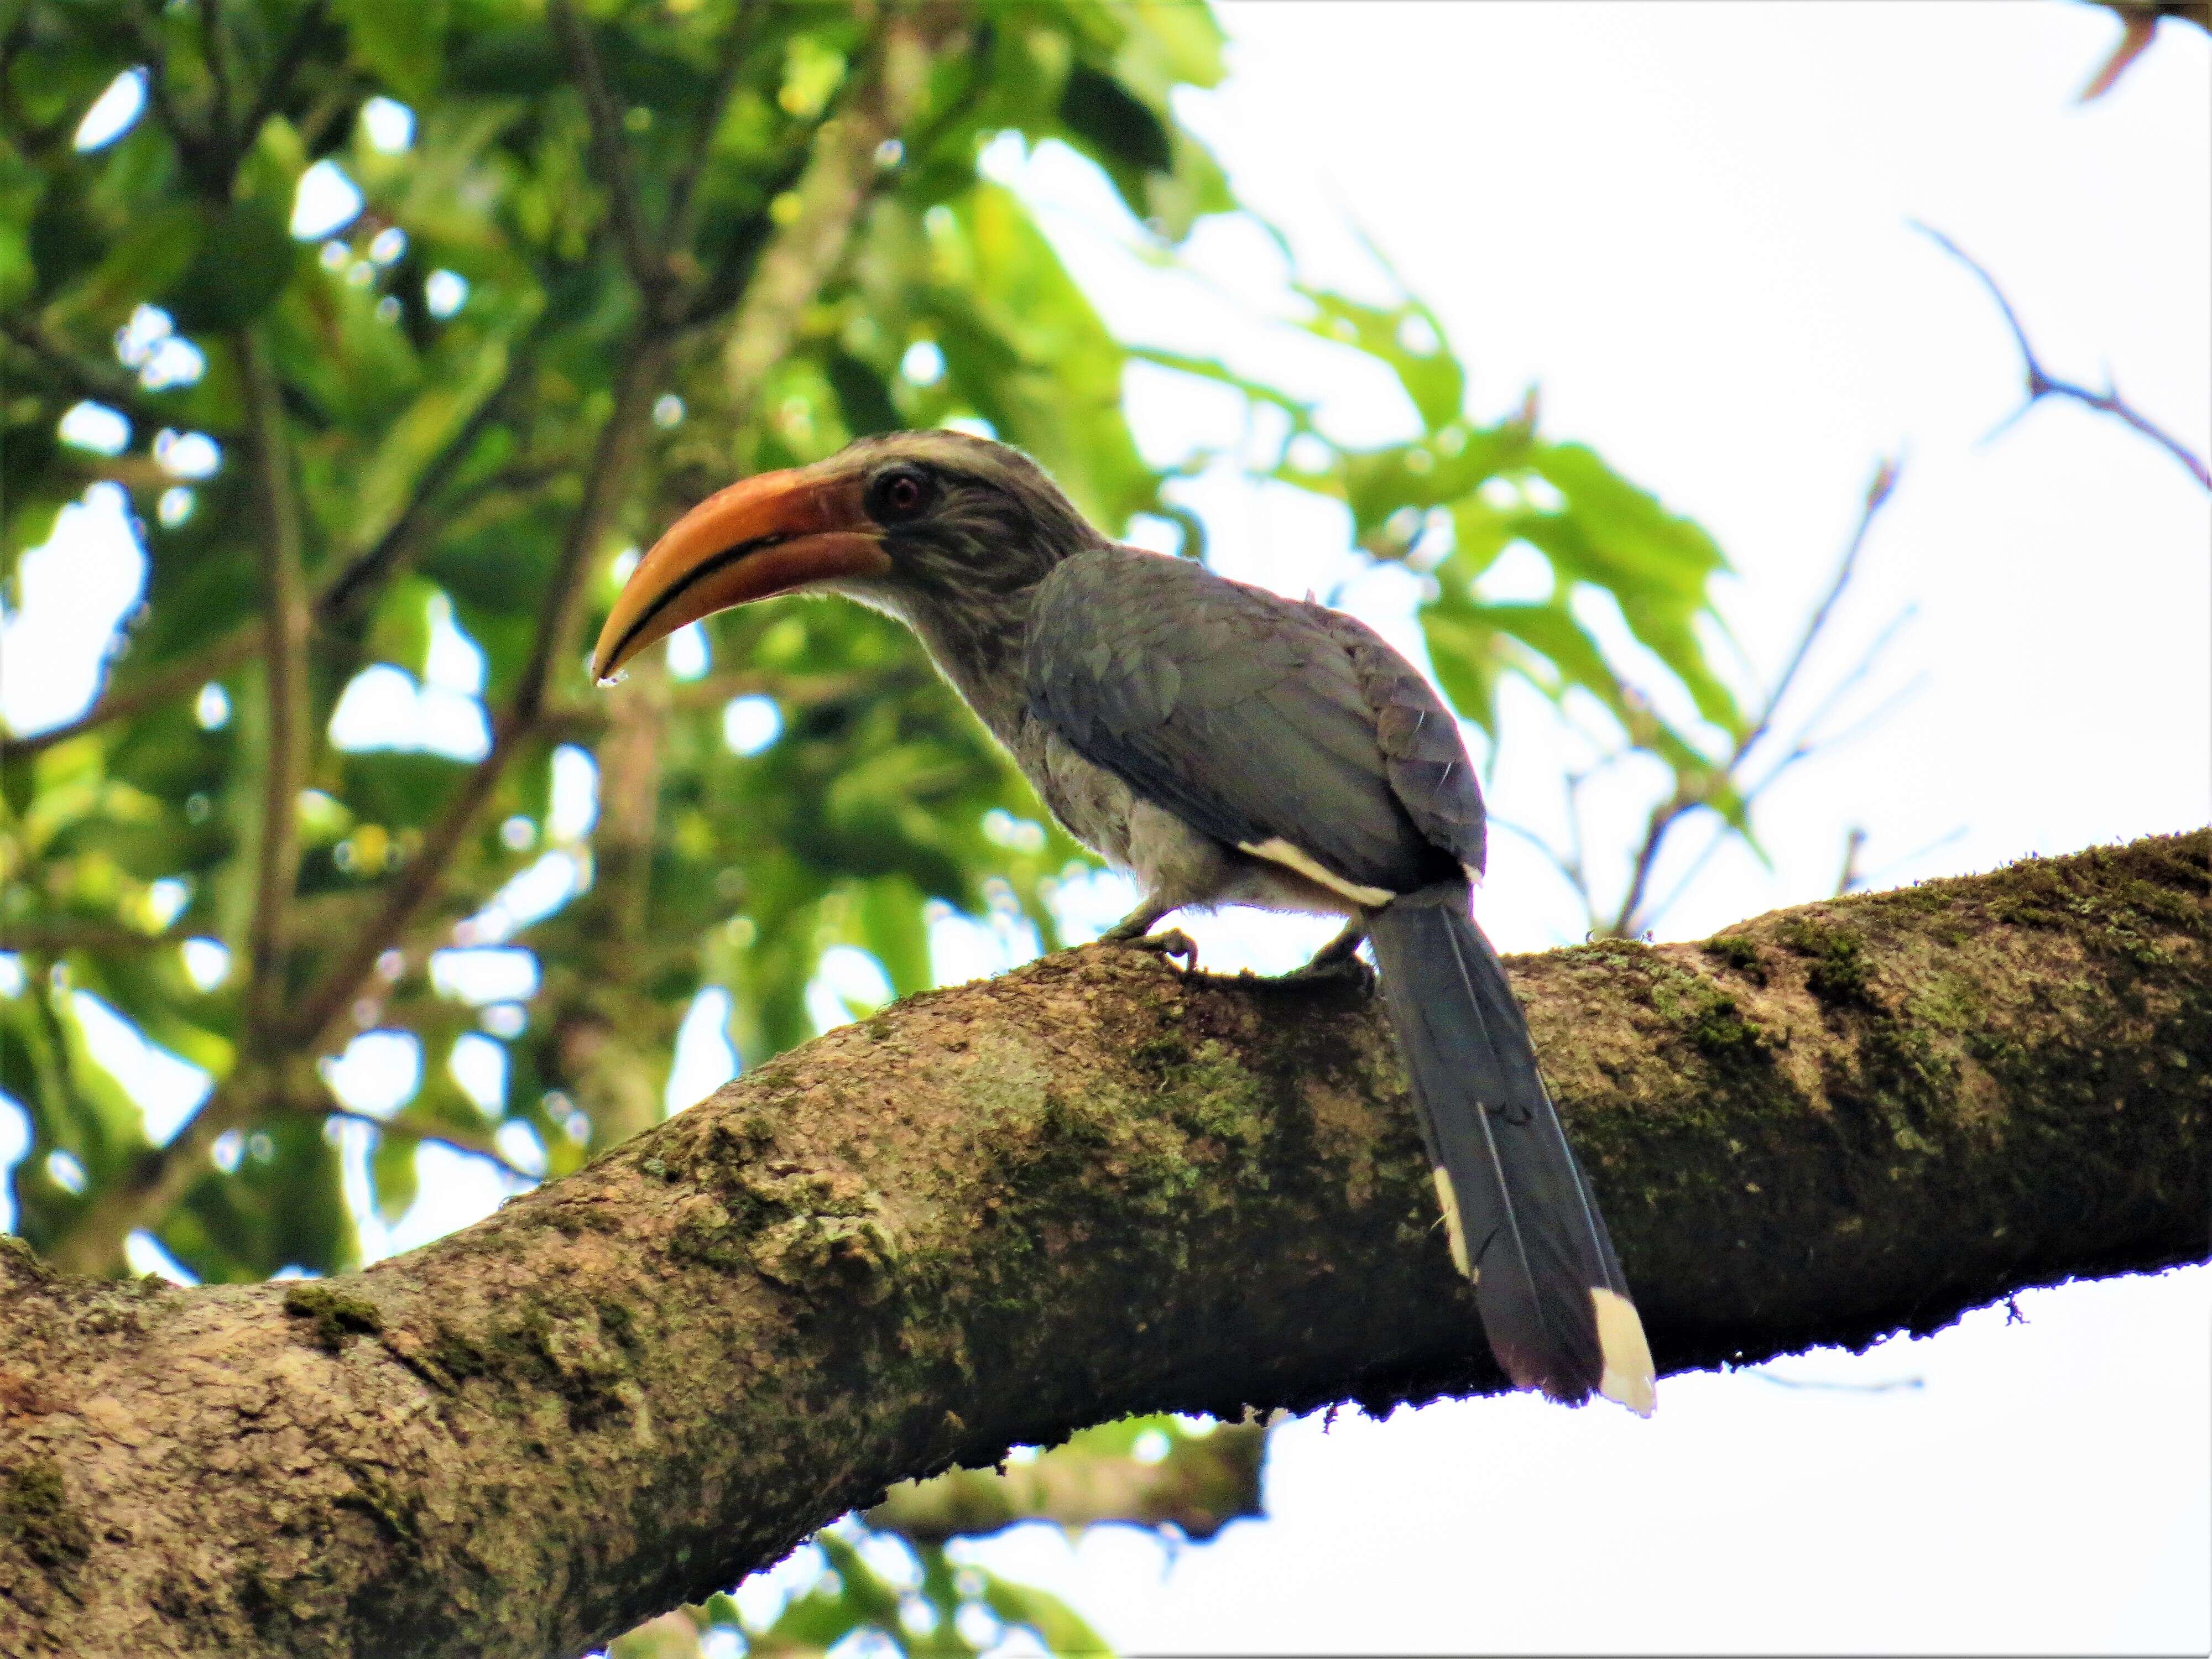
x=1224, y=746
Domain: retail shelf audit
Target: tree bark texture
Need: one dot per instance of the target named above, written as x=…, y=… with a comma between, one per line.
x=994, y=1213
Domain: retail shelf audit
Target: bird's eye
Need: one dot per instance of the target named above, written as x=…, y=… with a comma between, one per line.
x=898, y=494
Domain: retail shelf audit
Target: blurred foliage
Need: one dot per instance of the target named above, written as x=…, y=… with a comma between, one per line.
x=599, y=264
x=916, y=1599
x=1141, y=1471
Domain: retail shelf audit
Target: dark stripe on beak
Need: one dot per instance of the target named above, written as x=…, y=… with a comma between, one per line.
x=691, y=579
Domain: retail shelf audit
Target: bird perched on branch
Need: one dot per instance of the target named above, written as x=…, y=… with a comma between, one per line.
x=1224, y=746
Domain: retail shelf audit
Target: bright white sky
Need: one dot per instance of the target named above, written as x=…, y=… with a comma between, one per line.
x=1687, y=225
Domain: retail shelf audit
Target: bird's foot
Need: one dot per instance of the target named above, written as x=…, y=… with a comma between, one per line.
x=1173, y=942
x=1337, y=960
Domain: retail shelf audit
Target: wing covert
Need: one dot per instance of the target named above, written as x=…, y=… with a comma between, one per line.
x=1252, y=717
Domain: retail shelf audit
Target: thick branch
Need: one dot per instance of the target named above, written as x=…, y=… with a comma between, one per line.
x=996, y=1212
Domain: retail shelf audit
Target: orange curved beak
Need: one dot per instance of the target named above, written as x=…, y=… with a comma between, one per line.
x=765, y=536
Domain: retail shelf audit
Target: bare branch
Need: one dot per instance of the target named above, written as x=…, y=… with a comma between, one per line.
x=1879, y=490
x=1630, y=919
x=2136, y=36
x=2042, y=384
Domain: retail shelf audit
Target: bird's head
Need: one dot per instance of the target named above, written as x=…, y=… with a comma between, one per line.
x=911, y=522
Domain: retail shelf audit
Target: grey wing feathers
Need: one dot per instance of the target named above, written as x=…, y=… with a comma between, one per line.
x=1248, y=716
x=1430, y=772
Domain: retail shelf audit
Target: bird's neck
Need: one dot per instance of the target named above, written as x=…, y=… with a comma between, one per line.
x=976, y=640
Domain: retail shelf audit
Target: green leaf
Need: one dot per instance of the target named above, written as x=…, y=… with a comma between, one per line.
x=392, y=1177
x=239, y=266
x=1113, y=123
x=1056, y=1624
x=1408, y=337
x=403, y=44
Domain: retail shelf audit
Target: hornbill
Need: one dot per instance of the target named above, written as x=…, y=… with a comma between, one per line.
x=1224, y=745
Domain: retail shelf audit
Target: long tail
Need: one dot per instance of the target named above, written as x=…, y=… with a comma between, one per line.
x=1523, y=1224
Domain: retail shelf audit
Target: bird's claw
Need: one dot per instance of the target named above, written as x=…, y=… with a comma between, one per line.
x=1327, y=969
x=1338, y=959
x=1172, y=942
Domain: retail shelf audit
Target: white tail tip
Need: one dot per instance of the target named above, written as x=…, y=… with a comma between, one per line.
x=1630, y=1376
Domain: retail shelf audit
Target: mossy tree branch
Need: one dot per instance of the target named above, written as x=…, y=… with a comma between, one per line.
x=997, y=1213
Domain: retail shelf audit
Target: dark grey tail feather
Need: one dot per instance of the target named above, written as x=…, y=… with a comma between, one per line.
x=1533, y=1232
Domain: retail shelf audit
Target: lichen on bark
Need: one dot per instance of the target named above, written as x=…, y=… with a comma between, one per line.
x=997, y=1213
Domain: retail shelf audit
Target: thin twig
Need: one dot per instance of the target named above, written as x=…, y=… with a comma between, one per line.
x=1849, y=878
x=2139, y=27
x=284, y=652
x=1872, y=877
x=1879, y=490
x=683, y=188
x=211, y=662
x=842, y=174
x=1567, y=870
x=474, y=1144
x=286, y=64
x=97, y=382
x=2042, y=384
x=1629, y=920
x=343, y=595
x=211, y=52
x=648, y=267
x=154, y=1187
x=1804, y=747
x=74, y=933
x=1891, y=1385
x=619, y=442
x=192, y=144
x=335, y=603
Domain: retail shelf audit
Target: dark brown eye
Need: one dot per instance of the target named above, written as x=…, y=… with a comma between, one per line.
x=898, y=494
